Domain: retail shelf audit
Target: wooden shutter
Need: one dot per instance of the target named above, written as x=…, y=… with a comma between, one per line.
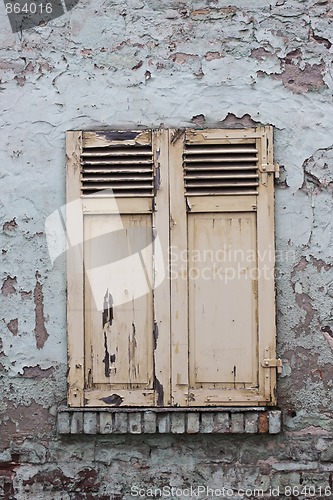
x=170, y=268
x=222, y=269
x=115, y=330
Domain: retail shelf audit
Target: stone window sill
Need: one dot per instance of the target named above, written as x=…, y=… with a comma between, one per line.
x=257, y=420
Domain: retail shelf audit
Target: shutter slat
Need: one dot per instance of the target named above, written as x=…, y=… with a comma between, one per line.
x=222, y=175
x=208, y=166
x=116, y=171
x=119, y=161
x=218, y=149
x=126, y=169
x=220, y=159
x=100, y=153
x=222, y=169
x=125, y=180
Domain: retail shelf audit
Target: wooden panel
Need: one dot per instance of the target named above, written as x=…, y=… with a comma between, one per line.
x=215, y=136
x=102, y=138
x=162, y=361
x=74, y=226
x=222, y=203
x=179, y=290
x=118, y=305
x=222, y=298
x=111, y=205
x=266, y=265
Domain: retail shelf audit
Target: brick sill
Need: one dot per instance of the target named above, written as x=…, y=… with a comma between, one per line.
x=91, y=421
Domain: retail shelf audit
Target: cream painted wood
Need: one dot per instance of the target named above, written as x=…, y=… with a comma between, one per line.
x=75, y=307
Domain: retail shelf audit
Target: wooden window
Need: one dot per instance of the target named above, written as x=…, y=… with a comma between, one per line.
x=171, y=268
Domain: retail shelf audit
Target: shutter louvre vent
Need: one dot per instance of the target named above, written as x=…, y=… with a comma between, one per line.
x=221, y=169
x=126, y=169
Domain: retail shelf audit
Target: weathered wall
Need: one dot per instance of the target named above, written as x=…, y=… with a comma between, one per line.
x=128, y=63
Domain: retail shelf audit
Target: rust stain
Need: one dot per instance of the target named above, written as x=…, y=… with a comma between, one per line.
x=13, y=326
x=8, y=287
x=41, y=334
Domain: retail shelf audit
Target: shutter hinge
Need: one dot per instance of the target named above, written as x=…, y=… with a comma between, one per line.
x=270, y=167
x=273, y=363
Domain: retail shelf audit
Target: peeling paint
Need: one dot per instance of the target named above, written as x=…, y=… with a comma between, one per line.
x=13, y=326
x=10, y=225
x=8, y=287
x=41, y=334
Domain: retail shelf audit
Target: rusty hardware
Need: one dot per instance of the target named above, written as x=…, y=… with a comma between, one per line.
x=270, y=167
x=272, y=363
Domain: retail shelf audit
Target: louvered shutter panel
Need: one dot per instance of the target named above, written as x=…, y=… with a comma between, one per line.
x=222, y=266
x=113, y=180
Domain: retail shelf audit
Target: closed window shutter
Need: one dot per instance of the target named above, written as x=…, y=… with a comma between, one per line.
x=112, y=178
x=223, y=296
x=170, y=268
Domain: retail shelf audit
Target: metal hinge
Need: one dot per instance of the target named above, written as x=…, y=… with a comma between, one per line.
x=270, y=167
x=273, y=363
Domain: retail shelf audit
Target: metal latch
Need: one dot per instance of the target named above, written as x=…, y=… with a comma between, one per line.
x=273, y=363
x=270, y=167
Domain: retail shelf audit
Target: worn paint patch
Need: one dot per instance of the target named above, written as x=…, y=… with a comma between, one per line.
x=10, y=225
x=37, y=372
x=199, y=120
x=41, y=334
x=84, y=481
x=29, y=420
x=114, y=400
x=8, y=287
x=13, y=326
x=261, y=54
x=304, y=301
x=233, y=121
x=158, y=387
x=301, y=79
